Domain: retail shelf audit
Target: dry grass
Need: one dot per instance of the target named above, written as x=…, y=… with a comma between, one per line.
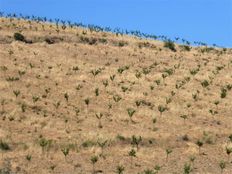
x=61, y=73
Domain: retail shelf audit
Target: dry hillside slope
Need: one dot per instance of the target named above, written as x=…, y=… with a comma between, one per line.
x=75, y=101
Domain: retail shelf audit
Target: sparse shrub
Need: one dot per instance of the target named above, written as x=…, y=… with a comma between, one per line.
x=185, y=137
x=66, y=96
x=216, y=102
x=205, y=83
x=169, y=44
x=105, y=83
x=161, y=109
x=187, y=168
x=4, y=146
x=65, y=151
x=19, y=37
x=94, y=160
x=16, y=93
x=45, y=144
x=117, y=98
x=168, y=151
x=222, y=165
x=28, y=157
x=132, y=154
x=230, y=138
x=199, y=144
x=120, y=169
x=88, y=143
x=122, y=69
x=154, y=120
x=87, y=100
x=35, y=98
x=122, y=43
x=102, y=145
x=96, y=92
x=131, y=112
x=185, y=47
x=57, y=104
x=157, y=169
x=223, y=92
x=228, y=152
x=194, y=71
x=192, y=159
x=99, y=117
x=184, y=117
x=120, y=137
x=49, y=41
x=135, y=141
x=112, y=77
x=23, y=107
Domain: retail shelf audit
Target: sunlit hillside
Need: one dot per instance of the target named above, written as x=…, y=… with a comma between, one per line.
x=77, y=101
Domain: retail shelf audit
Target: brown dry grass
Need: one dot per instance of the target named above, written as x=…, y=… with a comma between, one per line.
x=49, y=75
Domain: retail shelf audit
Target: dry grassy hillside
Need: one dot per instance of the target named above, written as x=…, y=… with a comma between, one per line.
x=75, y=101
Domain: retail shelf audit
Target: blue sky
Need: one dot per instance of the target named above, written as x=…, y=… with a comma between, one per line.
x=208, y=21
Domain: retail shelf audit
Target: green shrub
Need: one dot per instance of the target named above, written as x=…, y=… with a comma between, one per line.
x=4, y=146
x=122, y=43
x=49, y=41
x=185, y=47
x=169, y=44
x=19, y=37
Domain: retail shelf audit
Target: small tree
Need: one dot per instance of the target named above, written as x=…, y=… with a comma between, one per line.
x=199, y=144
x=222, y=165
x=16, y=93
x=135, y=141
x=187, y=168
x=105, y=83
x=131, y=112
x=4, y=147
x=192, y=159
x=66, y=96
x=99, y=117
x=102, y=145
x=228, y=152
x=184, y=117
x=112, y=77
x=204, y=83
x=216, y=103
x=230, y=138
x=157, y=169
x=44, y=143
x=120, y=169
x=117, y=98
x=96, y=92
x=57, y=105
x=154, y=120
x=168, y=151
x=35, y=98
x=23, y=107
x=87, y=103
x=132, y=154
x=65, y=151
x=94, y=160
x=161, y=109
x=164, y=75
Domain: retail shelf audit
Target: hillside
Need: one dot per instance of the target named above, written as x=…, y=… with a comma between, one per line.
x=74, y=101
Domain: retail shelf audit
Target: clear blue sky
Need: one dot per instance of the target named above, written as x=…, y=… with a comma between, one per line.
x=208, y=21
